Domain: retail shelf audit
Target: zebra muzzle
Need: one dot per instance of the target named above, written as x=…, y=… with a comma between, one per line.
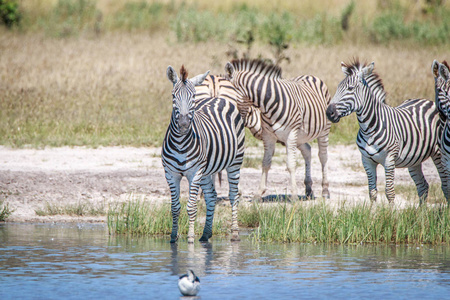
x=332, y=113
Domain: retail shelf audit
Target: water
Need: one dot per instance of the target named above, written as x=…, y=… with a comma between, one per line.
x=69, y=261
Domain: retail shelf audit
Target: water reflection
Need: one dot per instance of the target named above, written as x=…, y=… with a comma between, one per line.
x=43, y=261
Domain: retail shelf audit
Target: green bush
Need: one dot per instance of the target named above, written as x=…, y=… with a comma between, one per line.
x=141, y=15
x=9, y=13
x=70, y=17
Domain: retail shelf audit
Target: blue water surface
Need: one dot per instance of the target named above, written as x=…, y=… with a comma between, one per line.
x=81, y=261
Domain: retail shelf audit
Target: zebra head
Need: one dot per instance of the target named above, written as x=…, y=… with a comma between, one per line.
x=350, y=91
x=183, y=95
x=235, y=76
x=441, y=74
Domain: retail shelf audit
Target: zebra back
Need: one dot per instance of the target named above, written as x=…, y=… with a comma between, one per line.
x=285, y=104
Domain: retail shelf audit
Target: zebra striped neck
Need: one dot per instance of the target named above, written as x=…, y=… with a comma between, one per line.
x=369, y=113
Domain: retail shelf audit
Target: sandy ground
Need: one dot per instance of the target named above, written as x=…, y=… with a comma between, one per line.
x=31, y=178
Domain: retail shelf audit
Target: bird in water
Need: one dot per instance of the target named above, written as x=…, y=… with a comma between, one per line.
x=189, y=284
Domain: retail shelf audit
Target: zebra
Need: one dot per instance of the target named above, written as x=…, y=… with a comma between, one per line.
x=441, y=72
x=219, y=86
x=395, y=137
x=204, y=136
x=292, y=112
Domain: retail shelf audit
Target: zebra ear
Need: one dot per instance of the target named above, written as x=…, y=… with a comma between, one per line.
x=172, y=75
x=229, y=70
x=444, y=72
x=344, y=68
x=197, y=80
x=366, y=71
x=435, y=68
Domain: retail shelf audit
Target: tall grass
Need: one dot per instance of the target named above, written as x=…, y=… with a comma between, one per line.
x=362, y=223
x=321, y=22
x=298, y=222
x=139, y=216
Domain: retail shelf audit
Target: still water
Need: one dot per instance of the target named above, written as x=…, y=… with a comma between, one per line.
x=70, y=261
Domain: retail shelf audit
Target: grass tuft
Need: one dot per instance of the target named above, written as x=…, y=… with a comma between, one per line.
x=82, y=208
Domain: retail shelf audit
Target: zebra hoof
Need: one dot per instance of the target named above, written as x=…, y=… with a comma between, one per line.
x=204, y=239
x=235, y=237
x=190, y=240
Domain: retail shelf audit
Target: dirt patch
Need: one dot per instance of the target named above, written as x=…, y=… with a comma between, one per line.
x=31, y=178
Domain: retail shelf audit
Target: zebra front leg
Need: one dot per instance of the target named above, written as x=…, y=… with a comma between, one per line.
x=306, y=153
x=323, y=157
x=174, y=185
x=389, y=171
x=269, y=141
x=420, y=181
x=233, y=182
x=443, y=168
x=291, y=161
x=207, y=184
x=371, y=171
x=194, y=185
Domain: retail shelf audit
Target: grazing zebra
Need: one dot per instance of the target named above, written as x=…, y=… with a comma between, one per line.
x=395, y=137
x=442, y=88
x=204, y=137
x=292, y=111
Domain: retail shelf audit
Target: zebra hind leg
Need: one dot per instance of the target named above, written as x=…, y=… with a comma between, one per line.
x=269, y=149
x=207, y=185
x=233, y=182
x=305, y=149
x=420, y=181
x=323, y=157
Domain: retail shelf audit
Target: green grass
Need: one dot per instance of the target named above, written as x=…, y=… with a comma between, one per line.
x=362, y=223
x=409, y=191
x=298, y=222
x=140, y=217
x=5, y=211
x=82, y=208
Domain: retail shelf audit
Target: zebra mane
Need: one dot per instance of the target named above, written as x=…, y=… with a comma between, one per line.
x=257, y=66
x=374, y=80
x=183, y=73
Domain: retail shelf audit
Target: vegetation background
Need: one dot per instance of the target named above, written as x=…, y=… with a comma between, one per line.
x=86, y=72
x=93, y=73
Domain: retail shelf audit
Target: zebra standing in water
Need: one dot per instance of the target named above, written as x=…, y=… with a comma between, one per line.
x=441, y=74
x=204, y=137
x=402, y=137
x=292, y=112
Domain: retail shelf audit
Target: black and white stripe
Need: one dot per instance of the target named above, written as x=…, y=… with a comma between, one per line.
x=442, y=91
x=292, y=111
x=395, y=137
x=219, y=86
x=205, y=136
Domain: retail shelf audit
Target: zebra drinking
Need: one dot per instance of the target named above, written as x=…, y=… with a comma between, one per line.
x=395, y=137
x=204, y=137
x=441, y=72
x=292, y=112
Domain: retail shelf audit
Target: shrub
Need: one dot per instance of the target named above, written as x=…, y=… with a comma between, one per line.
x=9, y=13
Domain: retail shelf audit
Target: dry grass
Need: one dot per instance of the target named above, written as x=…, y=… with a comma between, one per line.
x=113, y=89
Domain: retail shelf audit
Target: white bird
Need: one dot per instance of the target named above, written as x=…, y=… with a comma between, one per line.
x=189, y=284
